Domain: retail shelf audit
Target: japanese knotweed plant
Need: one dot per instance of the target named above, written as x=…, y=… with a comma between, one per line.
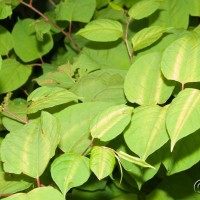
x=99, y=99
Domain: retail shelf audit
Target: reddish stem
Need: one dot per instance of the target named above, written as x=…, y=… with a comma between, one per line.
x=182, y=86
x=48, y=20
x=38, y=182
x=89, y=146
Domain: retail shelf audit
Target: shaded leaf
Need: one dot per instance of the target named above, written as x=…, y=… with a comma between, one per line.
x=46, y=97
x=13, y=75
x=30, y=148
x=171, y=14
x=111, y=122
x=11, y=183
x=61, y=77
x=102, y=30
x=183, y=114
x=75, y=10
x=6, y=42
x=101, y=85
x=144, y=83
x=102, y=161
x=143, y=8
x=147, y=131
x=30, y=49
x=70, y=170
x=180, y=60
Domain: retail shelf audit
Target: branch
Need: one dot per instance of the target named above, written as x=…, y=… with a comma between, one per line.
x=48, y=20
x=126, y=40
x=89, y=146
x=14, y=116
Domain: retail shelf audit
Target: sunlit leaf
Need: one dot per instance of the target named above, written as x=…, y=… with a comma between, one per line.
x=102, y=161
x=181, y=61
x=183, y=114
x=147, y=131
x=46, y=97
x=70, y=170
x=40, y=193
x=143, y=8
x=111, y=122
x=102, y=30
x=147, y=36
x=145, y=84
x=29, y=149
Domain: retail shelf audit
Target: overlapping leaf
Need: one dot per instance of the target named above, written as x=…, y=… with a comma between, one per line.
x=31, y=48
x=74, y=125
x=184, y=155
x=46, y=97
x=101, y=85
x=11, y=183
x=13, y=75
x=70, y=170
x=102, y=30
x=75, y=10
x=181, y=59
x=29, y=149
x=147, y=131
x=144, y=83
x=102, y=161
x=40, y=193
x=183, y=114
x=111, y=122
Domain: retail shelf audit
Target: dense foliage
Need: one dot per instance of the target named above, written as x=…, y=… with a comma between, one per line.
x=100, y=99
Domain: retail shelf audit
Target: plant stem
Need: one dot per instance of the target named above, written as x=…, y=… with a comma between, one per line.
x=38, y=182
x=182, y=86
x=48, y=20
x=126, y=40
x=15, y=116
x=89, y=146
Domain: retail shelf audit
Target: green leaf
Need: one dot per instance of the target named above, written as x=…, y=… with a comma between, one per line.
x=102, y=161
x=115, y=6
x=147, y=131
x=144, y=83
x=34, y=144
x=18, y=107
x=183, y=114
x=6, y=42
x=111, y=122
x=30, y=49
x=46, y=97
x=62, y=77
x=102, y=30
x=103, y=56
x=171, y=14
x=70, y=170
x=13, y=75
x=101, y=85
x=5, y=9
x=181, y=61
x=75, y=133
x=41, y=28
x=143, y=8
x=40, y=193
x=11, y=183
x=133, y=159
x=193, y=7
x=75, y=10
x=147, y=36
x=185, y=154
